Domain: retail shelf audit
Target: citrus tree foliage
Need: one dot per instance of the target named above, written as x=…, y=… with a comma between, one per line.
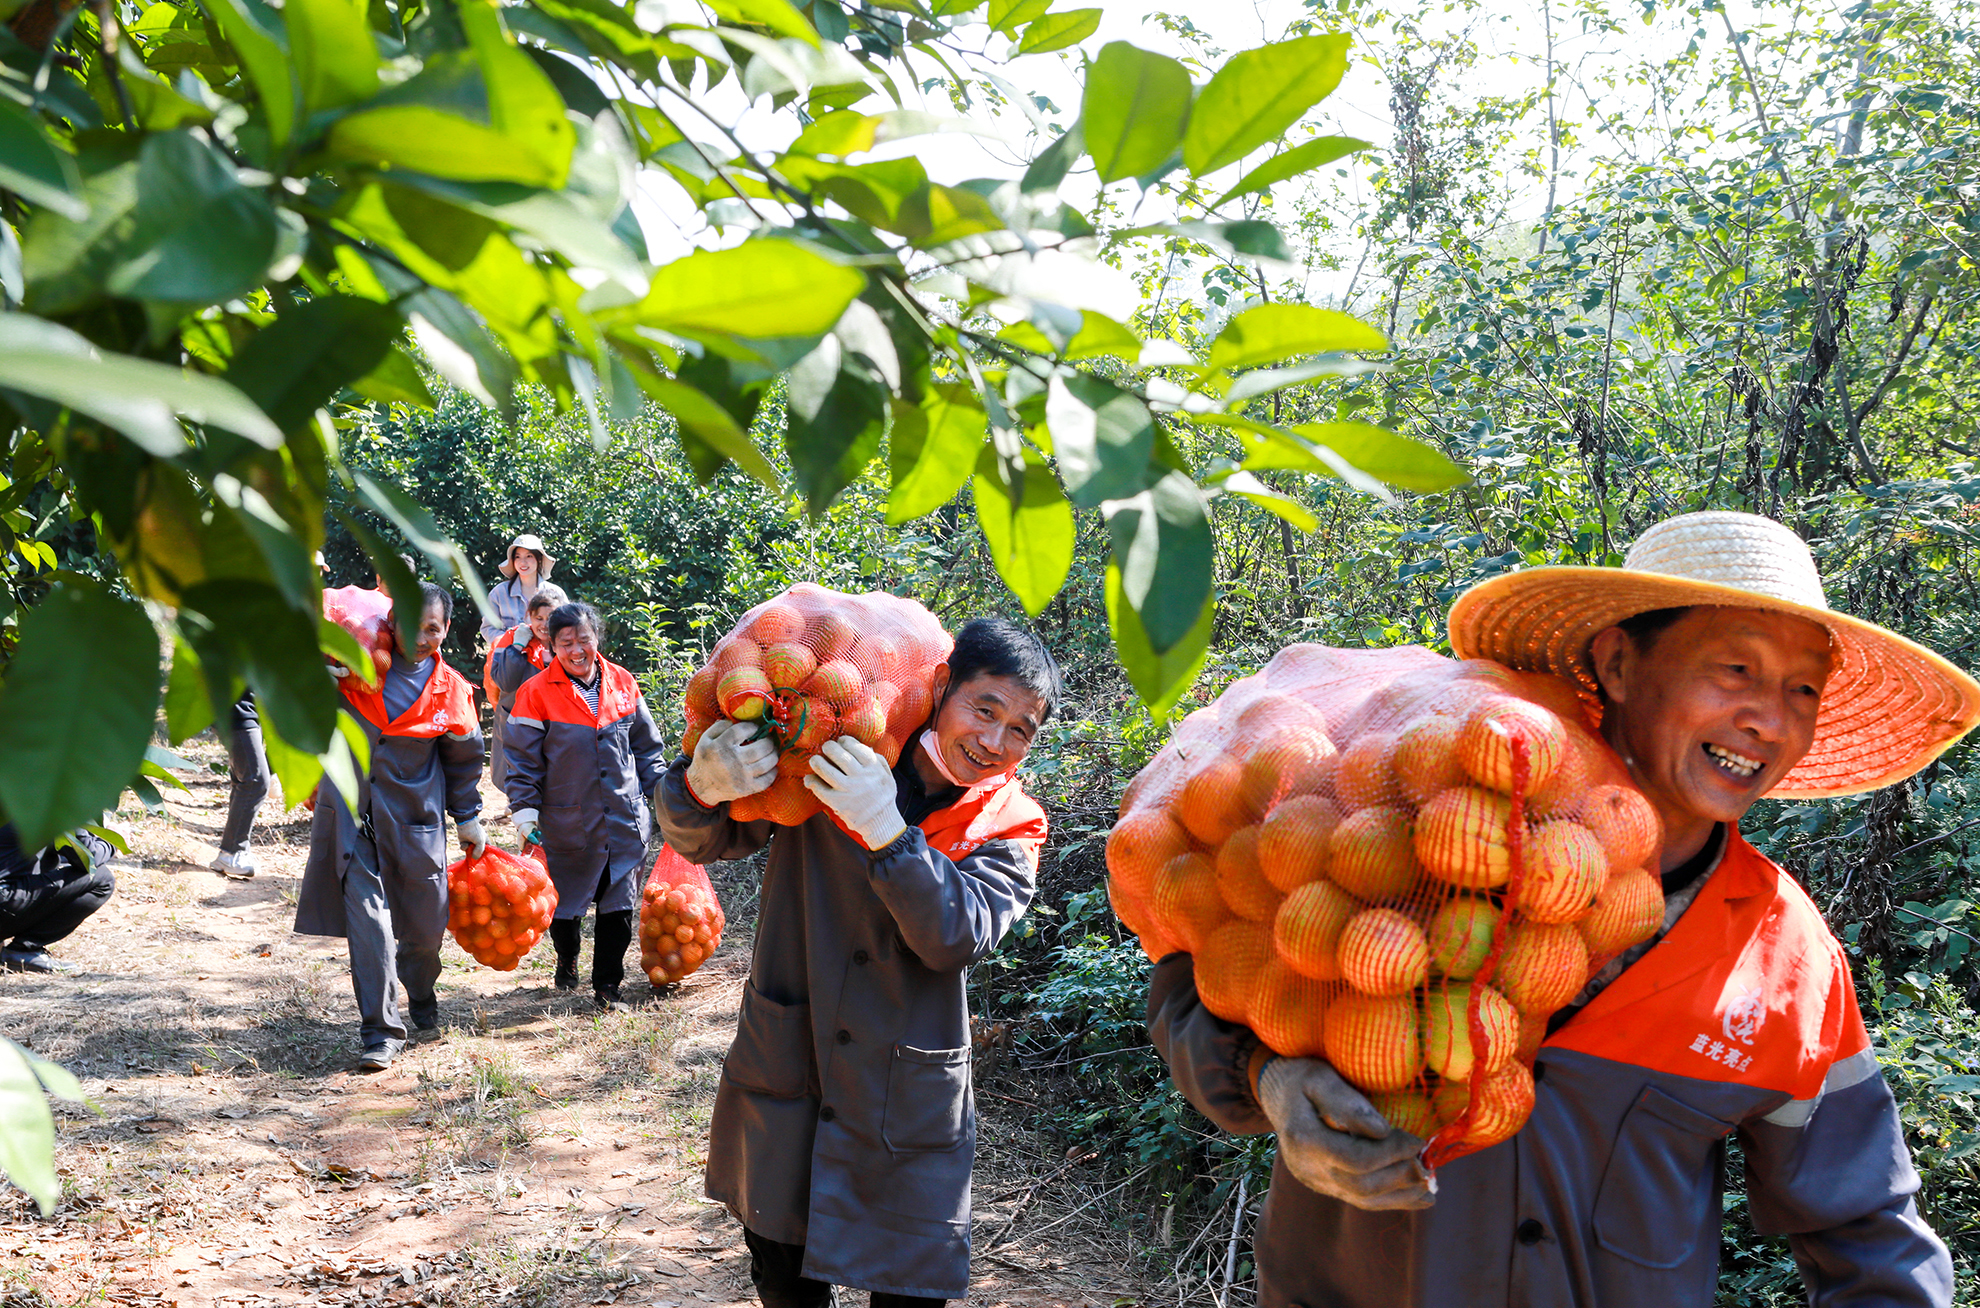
x=224, y=222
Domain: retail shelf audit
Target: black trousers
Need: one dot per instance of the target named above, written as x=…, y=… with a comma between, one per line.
x=608, y=948
x=775, y=1267
x=52, y=898
x=247, y=774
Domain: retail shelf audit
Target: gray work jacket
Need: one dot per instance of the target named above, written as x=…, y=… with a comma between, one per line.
x=588, y=778
x=1740, y=1021
x=425, y=765
x=844, y=1120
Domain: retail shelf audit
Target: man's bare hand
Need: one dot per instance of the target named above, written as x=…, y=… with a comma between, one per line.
x=1335, y=1143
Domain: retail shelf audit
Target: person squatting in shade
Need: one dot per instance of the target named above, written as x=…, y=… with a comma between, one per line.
x=377, y=870
x=583, y=755
x=518, y=654
x=1722, y=676
x=844, y=1129
x=46, y=894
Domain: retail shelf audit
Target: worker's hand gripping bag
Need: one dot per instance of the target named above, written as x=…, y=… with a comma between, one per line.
x=1395, y=862
x=367, y=615
x=680, y=919
x=812, y=665
x=499, y=906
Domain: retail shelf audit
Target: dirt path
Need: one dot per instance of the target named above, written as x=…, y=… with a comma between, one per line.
x=536, y=1153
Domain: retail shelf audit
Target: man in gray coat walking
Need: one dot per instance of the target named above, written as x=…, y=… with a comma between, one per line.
x=844, y=1128
x=377, y=872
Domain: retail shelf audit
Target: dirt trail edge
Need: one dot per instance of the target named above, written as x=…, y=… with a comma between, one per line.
x=537, y=1152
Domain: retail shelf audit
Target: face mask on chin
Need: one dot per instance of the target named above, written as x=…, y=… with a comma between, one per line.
x=934, y=752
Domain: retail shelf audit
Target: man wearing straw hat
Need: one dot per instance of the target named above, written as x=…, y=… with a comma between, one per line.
x=1722, y=676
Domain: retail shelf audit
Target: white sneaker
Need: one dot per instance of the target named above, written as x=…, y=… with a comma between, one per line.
x=238, y=866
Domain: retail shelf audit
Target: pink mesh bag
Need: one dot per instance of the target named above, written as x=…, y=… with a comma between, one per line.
x=812, y=665
x=367, y=615
x=1397, y=862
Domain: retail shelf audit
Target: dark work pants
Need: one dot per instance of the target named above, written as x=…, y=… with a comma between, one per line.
x=395, y=921
x=42, y=905
x=247, y=770
x=608, y=950
x=775, y=1269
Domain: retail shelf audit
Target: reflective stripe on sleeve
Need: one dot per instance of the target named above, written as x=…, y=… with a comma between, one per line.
x=1843, y=1074
x=515, y=721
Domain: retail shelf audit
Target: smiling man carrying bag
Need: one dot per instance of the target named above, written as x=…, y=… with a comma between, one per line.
x=1721, y=676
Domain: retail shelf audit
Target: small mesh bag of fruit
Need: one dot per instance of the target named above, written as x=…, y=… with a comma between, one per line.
x=814, y=664
x=499, y=906
x=367, y=615
x=680, y=920
x=1396, y=862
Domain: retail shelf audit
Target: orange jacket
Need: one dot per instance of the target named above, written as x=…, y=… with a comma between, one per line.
x=1740, y=1021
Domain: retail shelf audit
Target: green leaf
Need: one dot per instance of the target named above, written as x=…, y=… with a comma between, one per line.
x=1163, y=548
x=262, y=43
x=27, y=1128
x=77, y=709
x=135, y=396
x=396, y=379
x=1134, y=110
x=1272, y=332
x=430, y=140
x=1264, y=381
x=1258, y=95
x=1408, y=464
x=1007, y=16
x=1054, y=161
x=255, y=628
x=831, y=439
x=1160, y=679
x=460, y=349
x=932, y=448
x=188, y=710
x=1316, y=153
x=1285, y=506
x=777, y=15
x=1101, y=437
x=342, y=646
x=35, y=168
x=1027, y=524
x=299, y=363
x=762, y=288
x=1056, y=31
x=199, y=236
x=416, y=523
x=335, y=60
x=523, y=103
x=297, y=769
x=704, y=419
x=1252, y=237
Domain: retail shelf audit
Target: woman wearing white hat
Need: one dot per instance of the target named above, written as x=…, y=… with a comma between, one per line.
x=527, y=566
x=1719, y=675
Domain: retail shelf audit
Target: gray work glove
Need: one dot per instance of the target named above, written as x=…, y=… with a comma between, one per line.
x=1335, y=1143
x=524, y=820
x=473, y=840
x=728, y=764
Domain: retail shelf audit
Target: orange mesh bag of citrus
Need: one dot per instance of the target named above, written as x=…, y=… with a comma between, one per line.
x=1397, y=862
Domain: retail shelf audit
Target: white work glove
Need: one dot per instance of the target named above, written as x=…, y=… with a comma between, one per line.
x=1335, y=1143
x=524, y=820
x=728, y=764
x=858, y=786
x=339, y=671
x=473, y=840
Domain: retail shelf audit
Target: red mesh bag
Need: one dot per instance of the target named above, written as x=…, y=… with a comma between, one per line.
x=680, y=919
x=812, y=665
x=367, y=615
x=1397, y=862
x=499, y=906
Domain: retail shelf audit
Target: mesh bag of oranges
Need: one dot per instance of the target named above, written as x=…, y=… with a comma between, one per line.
x=812, y=665
x=680, y=920
x=499, y=906
x=1396, y=862
x=367, y=615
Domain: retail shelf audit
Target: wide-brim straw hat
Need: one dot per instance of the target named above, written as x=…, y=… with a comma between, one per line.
x=1891, y=706
x=534, y=545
